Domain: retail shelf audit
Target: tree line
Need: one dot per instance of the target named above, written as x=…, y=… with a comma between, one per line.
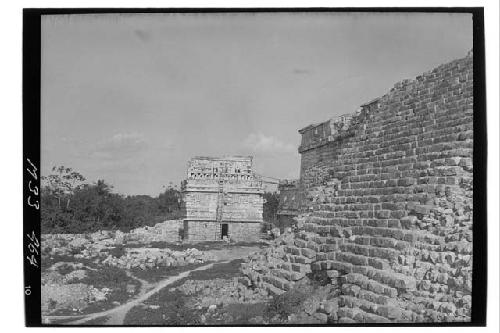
x=71, y=204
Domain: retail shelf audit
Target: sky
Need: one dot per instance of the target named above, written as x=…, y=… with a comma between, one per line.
x=130, y=98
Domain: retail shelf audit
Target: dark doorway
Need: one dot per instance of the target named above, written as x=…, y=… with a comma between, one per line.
x=224, y=230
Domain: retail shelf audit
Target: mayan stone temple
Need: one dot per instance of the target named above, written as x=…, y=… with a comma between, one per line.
x=222, y=199
x=384, y=206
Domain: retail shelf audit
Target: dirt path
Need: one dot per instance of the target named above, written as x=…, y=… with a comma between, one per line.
x=116, y=316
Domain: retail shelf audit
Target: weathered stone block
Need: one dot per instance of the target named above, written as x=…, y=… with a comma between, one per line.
x=308, y=253
x=389, y=312
x=394, y=197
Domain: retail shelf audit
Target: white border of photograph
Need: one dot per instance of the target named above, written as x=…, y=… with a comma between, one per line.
x=12, y=306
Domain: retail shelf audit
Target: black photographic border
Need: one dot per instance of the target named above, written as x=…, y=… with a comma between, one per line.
x=31, y=77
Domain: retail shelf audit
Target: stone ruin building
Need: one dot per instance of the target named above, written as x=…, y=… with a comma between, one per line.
x=222, y=198
x=386, y=206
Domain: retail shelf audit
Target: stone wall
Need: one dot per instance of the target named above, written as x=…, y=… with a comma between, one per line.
x=221, y=191
x=388, y=202
x=234, y=202
x=242, y=207
x=167, y=231
x=391, y=202
x=200, y=205
x=200, y=231
x=244, y=231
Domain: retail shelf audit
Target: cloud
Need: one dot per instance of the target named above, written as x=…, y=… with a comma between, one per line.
x=301, y=71
x=121, y=145
x=261, y=143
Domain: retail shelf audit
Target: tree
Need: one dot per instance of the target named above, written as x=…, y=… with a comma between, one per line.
x=169, y=201
x=62, y=183
x=95, y=207
x=70, y=205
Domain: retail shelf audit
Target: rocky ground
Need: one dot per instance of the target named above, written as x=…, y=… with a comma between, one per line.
x=111, y=278
x=85, y=273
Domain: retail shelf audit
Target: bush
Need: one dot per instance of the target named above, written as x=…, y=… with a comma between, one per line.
x=70, y=205
x=287, y=303
x=182, y=314
x=106, y=277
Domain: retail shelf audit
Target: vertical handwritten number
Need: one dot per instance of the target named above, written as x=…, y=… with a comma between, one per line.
x=33, y=239
x=32, y=248
x=35, y=244
x=32, y=260
x=32, y=172
x=35, y=204
x=33, y=190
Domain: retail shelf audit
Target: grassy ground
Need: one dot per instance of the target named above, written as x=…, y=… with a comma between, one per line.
x=61, y=322
x=287, y=303
x=47, y=262
x=98, y=321
x=117, y=280
x=237, y=314
x=171, y=307
x=175, y=308
x=172, y=310
x=219, y=270
x=106, y=277
x=160, y=273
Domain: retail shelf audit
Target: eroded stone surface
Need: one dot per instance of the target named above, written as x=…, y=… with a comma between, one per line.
x=387, y=205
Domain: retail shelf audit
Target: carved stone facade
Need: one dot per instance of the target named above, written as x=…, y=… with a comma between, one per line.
x=222, y=198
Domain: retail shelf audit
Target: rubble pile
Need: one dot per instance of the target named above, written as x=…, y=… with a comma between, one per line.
x=221, y=292
x=167, y=231
x=77, y=246
x=320, y=305
x=91, y=244
x=279, y=266
x=97, y=245
x=67, y=283
x=149, y=258
x=75, y=296
x=63, y=291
